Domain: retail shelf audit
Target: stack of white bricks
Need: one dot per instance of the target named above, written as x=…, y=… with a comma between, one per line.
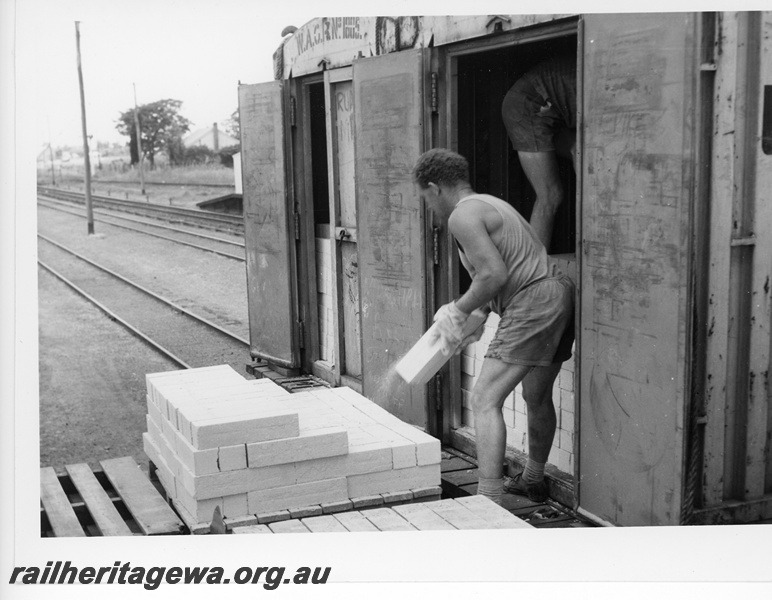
x=252, y=448
x=324, y=283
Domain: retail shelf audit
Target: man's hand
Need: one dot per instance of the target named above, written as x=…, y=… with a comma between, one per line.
x=450, y=326
x=471, y=338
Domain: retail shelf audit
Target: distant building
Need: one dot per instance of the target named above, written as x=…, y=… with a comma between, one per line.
x=211, y=137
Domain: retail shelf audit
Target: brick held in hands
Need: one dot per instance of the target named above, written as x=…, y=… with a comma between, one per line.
x=308, y=445
x=425, y=358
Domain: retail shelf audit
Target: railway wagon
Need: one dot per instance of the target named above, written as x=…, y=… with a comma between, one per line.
x=664, y=411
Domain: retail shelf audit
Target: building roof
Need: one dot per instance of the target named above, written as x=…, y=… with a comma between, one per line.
x=205, y=137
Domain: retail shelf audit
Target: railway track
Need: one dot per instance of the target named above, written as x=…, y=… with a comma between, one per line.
x=229, y=248
x=172, y=214
x=184, y=337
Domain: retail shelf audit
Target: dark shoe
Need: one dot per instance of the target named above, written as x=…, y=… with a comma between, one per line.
x=536, y=492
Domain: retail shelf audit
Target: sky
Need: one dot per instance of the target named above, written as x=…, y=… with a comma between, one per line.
x=195, y=51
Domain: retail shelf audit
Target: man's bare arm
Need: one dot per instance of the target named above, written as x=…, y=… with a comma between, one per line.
x=472, y=224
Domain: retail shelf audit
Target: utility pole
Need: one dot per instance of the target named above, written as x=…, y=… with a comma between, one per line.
x=139, y=141
x=86, y=157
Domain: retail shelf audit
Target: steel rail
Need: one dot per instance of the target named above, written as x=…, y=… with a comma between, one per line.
x=178, y=183
x=163, y=237
x=112, y=214
x=143, y=289
x=176, y=211
x=115, y=317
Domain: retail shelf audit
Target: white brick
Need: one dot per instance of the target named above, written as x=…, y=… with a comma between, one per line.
x=317, y=443
x=248, y=429
x=236, y=482
x=200, y=462
x=394, y=480
x=403, y=454
x=427, y=447
x=232, y=458
x=297, y=496
x=252, y=401
x=566, y=380
x=371, y=458
x=166, y=450
x=468, y=365
x=235, y=506
x=567, y=401
x=567, y=421
x=156, y=381
x=166, y=477
x=566, y=440
x=509, y=416
x=201, y=510
x=554, y=456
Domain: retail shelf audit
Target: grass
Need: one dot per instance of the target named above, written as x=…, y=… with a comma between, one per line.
x=190, y=175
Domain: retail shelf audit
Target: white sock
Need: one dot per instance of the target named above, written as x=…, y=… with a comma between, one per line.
x=491, y=488
x=534, y=471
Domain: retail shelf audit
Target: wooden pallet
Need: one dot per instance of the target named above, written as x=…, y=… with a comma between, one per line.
x=116, y=500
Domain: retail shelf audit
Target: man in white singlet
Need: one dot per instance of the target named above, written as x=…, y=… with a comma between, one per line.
x=513, y=276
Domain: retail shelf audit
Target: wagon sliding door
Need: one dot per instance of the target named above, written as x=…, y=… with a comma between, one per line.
x=638, y=102
x=389, y=99
x=271, y=277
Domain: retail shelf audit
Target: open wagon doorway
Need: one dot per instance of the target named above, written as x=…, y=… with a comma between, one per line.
x=479, y=76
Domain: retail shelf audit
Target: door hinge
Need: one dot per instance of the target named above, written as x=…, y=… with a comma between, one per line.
x=297, y=225
x=292, y=110
x=435, y=93
x=438, y=392
x=302, y=334
x=436, y=245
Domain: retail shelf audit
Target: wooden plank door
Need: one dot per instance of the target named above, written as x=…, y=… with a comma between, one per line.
x=347, y=317
x=271, y=276
x=388, y=92
x=638, y=106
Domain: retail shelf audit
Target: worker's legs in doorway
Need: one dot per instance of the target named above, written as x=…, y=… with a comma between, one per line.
x=497, y=380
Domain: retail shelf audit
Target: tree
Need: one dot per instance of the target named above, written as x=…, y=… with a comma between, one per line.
x=161, y=128
x=233, y=125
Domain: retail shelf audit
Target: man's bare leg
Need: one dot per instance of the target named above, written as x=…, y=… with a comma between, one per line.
x=542, y=420
x=497, y=379
x=541, y=169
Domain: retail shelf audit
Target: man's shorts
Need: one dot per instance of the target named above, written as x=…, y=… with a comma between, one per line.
x=537, y=327
x=529, y=119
